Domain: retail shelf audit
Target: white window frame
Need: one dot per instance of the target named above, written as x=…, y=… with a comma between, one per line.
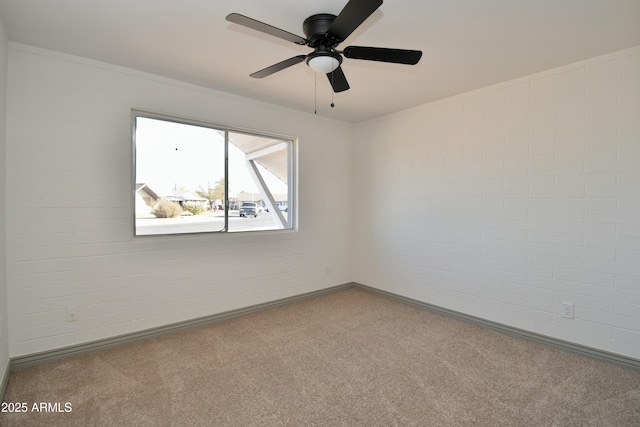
x=286, y=143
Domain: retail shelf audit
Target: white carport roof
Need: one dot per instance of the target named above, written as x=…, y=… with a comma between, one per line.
x=265, y=151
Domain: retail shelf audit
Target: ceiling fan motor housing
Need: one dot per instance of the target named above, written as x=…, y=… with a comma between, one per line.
x=315, y=28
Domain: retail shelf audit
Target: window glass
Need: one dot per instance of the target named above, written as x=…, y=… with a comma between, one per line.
x=195, y=178
x=258, y=182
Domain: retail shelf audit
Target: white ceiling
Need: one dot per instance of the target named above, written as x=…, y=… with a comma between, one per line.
x=466, y=44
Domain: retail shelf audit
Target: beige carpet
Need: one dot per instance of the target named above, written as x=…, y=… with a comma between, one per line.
x=350, y=358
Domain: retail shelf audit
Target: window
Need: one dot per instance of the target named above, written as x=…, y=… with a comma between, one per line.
x=193, y=177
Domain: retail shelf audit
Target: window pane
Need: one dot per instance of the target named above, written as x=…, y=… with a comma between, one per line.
x=259, y=173
x=186, y=172
x=179, y=173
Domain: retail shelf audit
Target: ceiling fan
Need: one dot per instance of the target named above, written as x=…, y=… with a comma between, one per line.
x=324, y=32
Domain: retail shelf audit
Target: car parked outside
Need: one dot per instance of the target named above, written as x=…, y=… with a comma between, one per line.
x=249, y=209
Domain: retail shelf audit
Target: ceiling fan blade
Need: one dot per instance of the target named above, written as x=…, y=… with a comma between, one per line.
x=245, y=21
x=338, y=80
x=278, y=67
x=397, y=56
x=353, y=14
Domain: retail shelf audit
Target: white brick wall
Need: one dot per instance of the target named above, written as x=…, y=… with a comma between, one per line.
x=70, y=213
x=4, y=332
x=502, y=203
x=535, y=183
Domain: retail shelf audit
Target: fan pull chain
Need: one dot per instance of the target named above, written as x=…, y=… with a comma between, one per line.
x=332, y=86
x=315, y=94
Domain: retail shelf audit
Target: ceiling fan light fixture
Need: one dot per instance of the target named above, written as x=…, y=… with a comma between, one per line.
x=324, y=63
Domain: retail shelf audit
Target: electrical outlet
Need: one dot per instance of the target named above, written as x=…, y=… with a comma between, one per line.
x=567, y=310
x=72, y=314
x=327, y=270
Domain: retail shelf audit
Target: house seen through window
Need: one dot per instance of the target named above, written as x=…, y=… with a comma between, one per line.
x=192, y=177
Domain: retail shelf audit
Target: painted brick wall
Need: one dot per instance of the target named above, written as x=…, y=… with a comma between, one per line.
x=4, y=333
x=70, y=213
x=504, y=203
